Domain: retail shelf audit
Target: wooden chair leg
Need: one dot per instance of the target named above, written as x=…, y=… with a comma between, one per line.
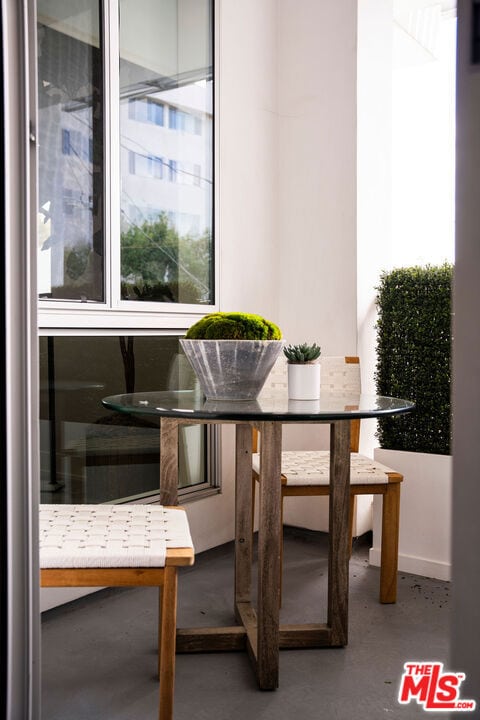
x=160, y=615
x=254, y=487
x=280, y=589
x=390, y=530
x=167, y=643
x=351, y=515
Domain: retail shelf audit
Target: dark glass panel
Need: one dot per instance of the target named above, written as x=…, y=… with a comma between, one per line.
x=90, y=454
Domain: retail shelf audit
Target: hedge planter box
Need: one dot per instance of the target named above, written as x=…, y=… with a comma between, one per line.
x=425, y=513
x=413, y=361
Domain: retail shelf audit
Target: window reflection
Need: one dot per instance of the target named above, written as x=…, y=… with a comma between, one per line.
x=70, y=155
x=90, y=454
x=166, y=126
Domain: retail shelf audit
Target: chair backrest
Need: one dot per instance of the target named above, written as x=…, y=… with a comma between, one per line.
x=340, y=374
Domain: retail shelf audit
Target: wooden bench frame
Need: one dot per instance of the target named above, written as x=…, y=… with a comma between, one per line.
x=164, y=578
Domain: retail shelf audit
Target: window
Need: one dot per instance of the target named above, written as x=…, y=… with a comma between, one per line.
x=181, y=120
x=125, y=229
x=145, y=110
x=90, y=454
x=172, y=170
x=77, y=144
x=145, y=165
x=110, y=127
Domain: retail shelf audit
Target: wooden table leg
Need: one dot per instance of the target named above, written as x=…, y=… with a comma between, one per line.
x=339, y=551
x=243, y=514
x=244, y=611
x=168, y=461
x=268, y=634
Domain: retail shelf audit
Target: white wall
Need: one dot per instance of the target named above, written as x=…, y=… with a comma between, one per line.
x=247, y=156
x=375, y=40
x=286, y=195
x=317, y=59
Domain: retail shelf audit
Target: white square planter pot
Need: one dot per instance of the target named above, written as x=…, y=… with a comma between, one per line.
x=425, y=513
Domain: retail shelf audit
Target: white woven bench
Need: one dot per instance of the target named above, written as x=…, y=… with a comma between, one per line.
x=120, y=545
x=312, y=467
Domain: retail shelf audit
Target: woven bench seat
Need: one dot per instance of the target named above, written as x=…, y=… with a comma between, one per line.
x=312, y=467
x=121, y=545
x=76, y=536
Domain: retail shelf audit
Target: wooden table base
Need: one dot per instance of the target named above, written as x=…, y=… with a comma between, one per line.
x=243, y=637
x=259, y=631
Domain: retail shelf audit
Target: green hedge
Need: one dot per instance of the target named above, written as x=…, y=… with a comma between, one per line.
x=414, y=356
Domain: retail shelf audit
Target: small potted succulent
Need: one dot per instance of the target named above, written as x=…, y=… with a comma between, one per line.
x=232, y=353
x=303, y=371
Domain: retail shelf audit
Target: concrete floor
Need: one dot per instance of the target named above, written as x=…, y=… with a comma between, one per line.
x=99, y=654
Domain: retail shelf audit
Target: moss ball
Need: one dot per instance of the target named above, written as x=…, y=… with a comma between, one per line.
x=233, y=326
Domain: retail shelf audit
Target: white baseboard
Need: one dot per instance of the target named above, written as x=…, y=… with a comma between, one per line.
x=416, y=565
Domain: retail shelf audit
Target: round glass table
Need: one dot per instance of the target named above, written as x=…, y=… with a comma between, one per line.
x=275, y=406
x=258, y=629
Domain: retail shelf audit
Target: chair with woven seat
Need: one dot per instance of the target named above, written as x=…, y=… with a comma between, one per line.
x=117, y=546
x=306, y=473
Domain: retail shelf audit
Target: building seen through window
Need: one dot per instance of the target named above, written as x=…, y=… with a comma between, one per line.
x=160, y=134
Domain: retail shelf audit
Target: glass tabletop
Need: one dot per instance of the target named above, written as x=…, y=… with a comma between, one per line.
x=276, y=405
